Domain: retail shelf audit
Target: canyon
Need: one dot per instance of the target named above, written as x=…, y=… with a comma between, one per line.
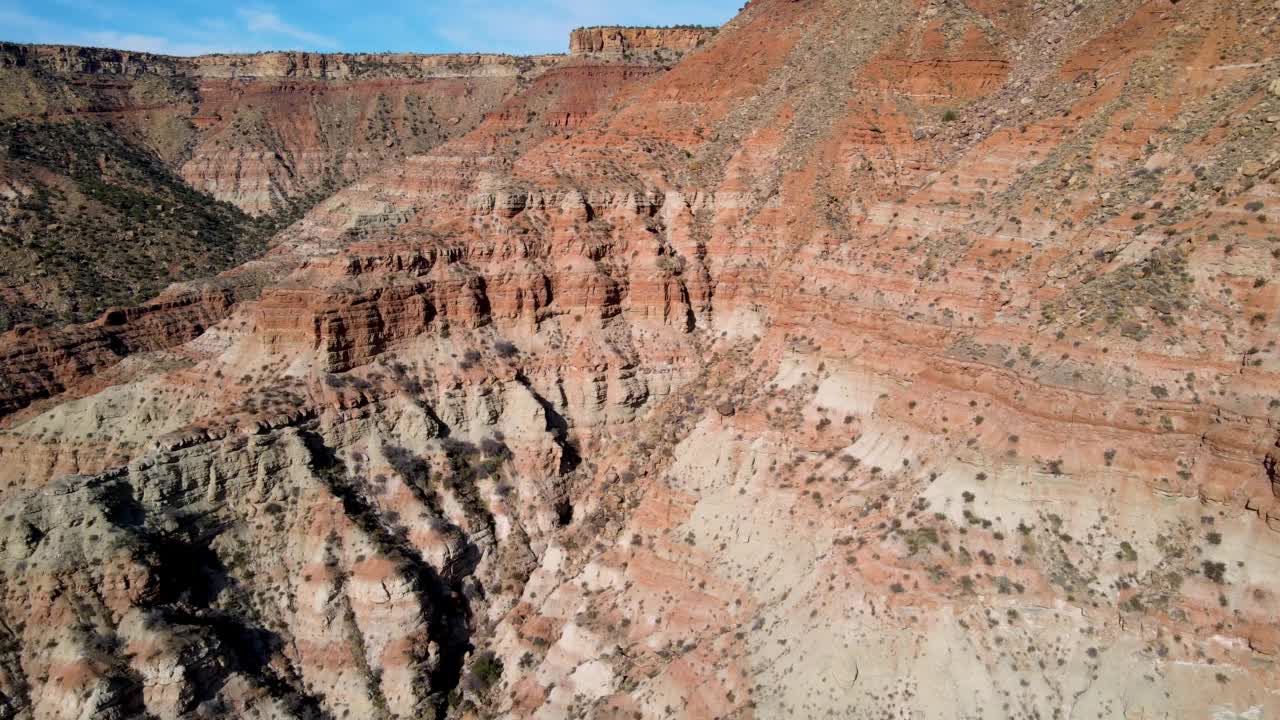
x=96, y=138
x=858, y=358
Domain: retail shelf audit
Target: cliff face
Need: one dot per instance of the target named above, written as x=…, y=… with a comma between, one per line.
x=881, y=357
x=274, y=130
x=90, y=61
x=621, y=40
x=348, y=66
x=270, y=133
x=71, y=60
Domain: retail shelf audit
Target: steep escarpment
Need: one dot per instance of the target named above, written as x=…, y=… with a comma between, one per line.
x=42, y=362
x=277, y=127
x=268, y=131
x=638, y=40
x=881, y=358
x=271, y=133
x=50, y=362
x=117, y=164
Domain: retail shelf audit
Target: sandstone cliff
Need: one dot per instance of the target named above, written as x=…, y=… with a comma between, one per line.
x=72, y=60
x=621, y=40
x=90, y=61
x=269, y=131
x=880, y=358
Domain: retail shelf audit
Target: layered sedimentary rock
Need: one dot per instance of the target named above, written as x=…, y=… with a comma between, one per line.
x=621, y=40
x=42, y=362
x=95, y=139
x=264, y=130
x=70, y=60
x=882, y=357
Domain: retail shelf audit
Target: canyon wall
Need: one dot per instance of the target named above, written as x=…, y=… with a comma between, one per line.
x=72, y=60
x=880, y=358
x=269, y=130
x=94, y=136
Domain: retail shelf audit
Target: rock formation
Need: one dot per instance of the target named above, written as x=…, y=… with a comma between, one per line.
x=93, y=138
x=881, y=358
x=625, y=40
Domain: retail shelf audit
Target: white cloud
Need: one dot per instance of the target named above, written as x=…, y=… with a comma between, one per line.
x=147, y=43
x=250, y=29
x=20, y=26
x=259, y=20
x=514, y=26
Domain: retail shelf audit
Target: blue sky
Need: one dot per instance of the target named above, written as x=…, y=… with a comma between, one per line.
x=188, y=27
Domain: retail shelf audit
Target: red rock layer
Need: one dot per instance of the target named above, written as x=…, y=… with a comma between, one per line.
x=41, y=363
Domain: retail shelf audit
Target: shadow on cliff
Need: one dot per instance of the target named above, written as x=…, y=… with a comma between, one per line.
x=441, y=602
x=196, y=593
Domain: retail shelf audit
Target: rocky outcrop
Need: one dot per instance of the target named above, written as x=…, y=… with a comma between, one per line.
x=40, y=363
x=64, y=59
x=363, y=66
x=90, y=61
x=273, y=131
x=622, y=40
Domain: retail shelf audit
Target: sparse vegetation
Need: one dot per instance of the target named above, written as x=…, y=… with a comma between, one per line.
x=1215, y=571
x=486, y=671
x=108, y=222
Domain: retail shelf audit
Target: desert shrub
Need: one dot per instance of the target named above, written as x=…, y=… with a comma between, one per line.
x=486, y=671
x=1215, y=571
